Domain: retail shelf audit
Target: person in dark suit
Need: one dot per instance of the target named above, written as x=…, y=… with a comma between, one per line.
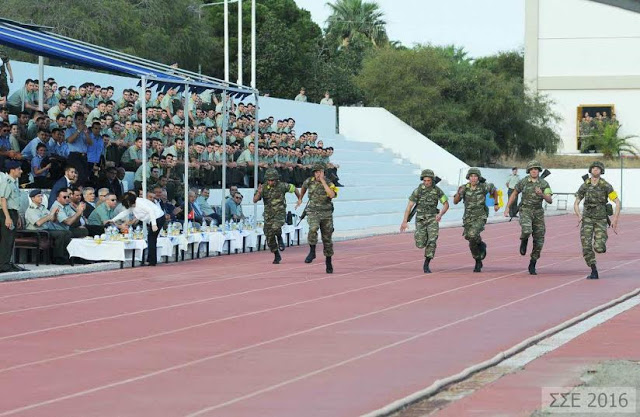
x=69, y=178
x=111, y=182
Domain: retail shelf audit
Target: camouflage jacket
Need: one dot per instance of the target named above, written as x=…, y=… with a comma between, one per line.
x=475, y=199
x=527, y=188
x=427, y=199
x=275, y=204
x=318, y=198
x=595, y=198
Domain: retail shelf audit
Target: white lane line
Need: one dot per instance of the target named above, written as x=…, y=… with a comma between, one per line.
x=270, y=341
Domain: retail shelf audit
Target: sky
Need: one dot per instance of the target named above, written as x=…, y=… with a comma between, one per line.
x=482, y=27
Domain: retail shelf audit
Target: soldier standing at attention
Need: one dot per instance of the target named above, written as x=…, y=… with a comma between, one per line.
x=426, y=198
x=596, y=192
x=476, y=212
x=9, y=217
x=319, y=213
x=275, y=209
x=534, y=190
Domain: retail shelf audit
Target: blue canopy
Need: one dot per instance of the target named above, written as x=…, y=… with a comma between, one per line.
x=37, y=40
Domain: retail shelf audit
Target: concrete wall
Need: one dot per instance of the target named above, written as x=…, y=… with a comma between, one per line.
x=580, y=52
x=368, y=124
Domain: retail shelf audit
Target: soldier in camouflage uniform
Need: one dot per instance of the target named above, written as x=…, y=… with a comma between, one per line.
x=476, y=212
x=426, y=198
x=596, y=192
x=319, y=213
x=275, y=207
x=534, y=190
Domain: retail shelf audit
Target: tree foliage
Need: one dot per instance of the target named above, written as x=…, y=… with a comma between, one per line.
x=356, y=18
x=477, y=110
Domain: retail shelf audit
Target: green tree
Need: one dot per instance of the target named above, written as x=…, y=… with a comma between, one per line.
x=608, y=141
x=356, y=18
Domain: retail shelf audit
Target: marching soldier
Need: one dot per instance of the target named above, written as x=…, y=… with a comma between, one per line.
x=275, y=207
x=595, y=215
x=425, y=199
x=534, y=190
x=319, y=213
x=476, y=212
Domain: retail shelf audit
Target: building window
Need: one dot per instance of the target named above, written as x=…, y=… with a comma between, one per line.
x=590, y=118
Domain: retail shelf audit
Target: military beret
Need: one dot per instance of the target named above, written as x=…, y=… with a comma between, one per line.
x=35, y=192
x=11, y=164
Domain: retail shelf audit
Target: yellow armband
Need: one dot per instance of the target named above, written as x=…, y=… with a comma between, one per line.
x=613, y=195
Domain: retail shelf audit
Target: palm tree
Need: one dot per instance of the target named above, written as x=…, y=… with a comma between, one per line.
x=607, y=141
x=351, y=18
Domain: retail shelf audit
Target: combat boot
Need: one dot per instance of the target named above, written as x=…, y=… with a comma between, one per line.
x=478, y=267
x=594, y=272
x=483, y=252
x=425, y=267
x=312, y=254
x=281, y=245
x=532, y=267
x=523, y=246
x=277, y=258
x=328, y=264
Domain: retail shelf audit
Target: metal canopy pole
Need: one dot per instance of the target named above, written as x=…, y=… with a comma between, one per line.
x=185, y=229
x=143, y=87
x=224, y=153
x=40, y=84
x=253, y=47
x=239, y=42
x=255, y=160
x=226, y=41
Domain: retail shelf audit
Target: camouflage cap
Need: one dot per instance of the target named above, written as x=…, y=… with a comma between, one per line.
x=271, y=174
x=317, y=167
x=534, y=164
x=427, y=173
x=597, y=164
x=473, y=171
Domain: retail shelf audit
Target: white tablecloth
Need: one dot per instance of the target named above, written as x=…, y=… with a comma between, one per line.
x=106, y=250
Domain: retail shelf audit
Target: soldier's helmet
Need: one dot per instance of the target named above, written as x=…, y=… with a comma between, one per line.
x=534, y=164
x=317, y=167
x=597, y=164
x=475, y=171
x=271, y=174
x=427, y=173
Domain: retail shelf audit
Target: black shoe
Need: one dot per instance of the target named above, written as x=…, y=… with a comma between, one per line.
x=312, y=254
x=337, y=184
x=478, y=267
x=425, y=267
x=594, y=272
x=277, y=258
x=327, y=262
x=281, y=246
x=483, y=251
x=16, y=268
x=523, y=246
x=532, y=267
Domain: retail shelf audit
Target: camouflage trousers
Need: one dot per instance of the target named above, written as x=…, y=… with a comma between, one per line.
x=593, y=235
x=473, y=226
x=324, y=223
x=426, y=235
x=273, y=229
x=532, y=223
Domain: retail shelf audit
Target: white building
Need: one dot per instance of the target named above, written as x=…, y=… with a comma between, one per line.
x=585, y=56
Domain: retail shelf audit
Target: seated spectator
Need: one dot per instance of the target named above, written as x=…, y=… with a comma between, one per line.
x=198, y=215
x=104, y=213
x=132, y=158
x=207, y=209
x=327, y=99
x=111, y=183
x=102, y=195
x=24, y=99
x=302, y=96
x=89, y=197
x=69, y=178
x=67, y=217
x=234, y=208
x=37, y=217
x=39, y=170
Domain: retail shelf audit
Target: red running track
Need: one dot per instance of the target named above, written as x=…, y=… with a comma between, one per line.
x=238, y=336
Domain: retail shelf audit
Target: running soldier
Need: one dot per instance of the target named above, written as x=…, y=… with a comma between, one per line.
x=534, y=190
x=595, y=192
x=476, y=212
x=319, y=213
x=275, y=210
x=425, y=198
